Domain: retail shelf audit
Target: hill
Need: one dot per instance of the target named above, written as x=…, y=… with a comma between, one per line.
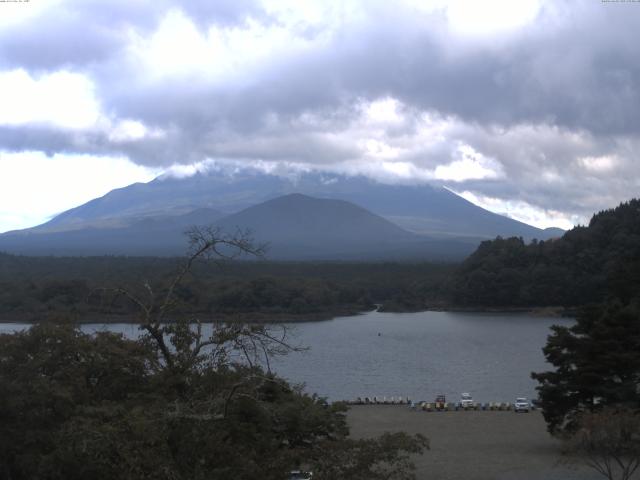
x=425, y=209
x=298, y=227
x=295, y=226
x=587, y=264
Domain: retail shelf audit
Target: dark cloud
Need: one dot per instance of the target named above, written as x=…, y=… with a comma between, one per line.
x=562, y=75
x=538, y=100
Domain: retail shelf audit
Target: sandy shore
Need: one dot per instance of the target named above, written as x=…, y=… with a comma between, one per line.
x=474, y=445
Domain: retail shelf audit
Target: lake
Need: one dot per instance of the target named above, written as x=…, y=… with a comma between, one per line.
x=418, y=355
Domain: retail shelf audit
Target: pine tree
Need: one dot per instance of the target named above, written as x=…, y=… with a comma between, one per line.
x=597, y=364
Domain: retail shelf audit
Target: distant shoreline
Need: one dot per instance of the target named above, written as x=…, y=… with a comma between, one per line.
x=538, y=311
x=550, y=311
x=265, y=318
x=246, y=317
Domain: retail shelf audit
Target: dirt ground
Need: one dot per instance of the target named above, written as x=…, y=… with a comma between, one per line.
x=474, y=445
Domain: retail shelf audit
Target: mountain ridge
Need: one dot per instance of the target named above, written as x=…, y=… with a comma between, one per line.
x=296, y=226
x=425, y=209
x=383, y=221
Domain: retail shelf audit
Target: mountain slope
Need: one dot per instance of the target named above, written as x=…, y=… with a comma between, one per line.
x=424, y=209
x=153, y=235
x=300, y=218
x=296, y=227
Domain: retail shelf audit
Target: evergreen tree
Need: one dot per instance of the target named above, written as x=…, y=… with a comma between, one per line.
x=588, y=264
x=597, y=364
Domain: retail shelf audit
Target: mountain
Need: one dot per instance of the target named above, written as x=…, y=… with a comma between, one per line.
x=151, y=235
x=296, y=227
x=401, y=221
x=297, y=218
x=167, y=195
x=301, y=227
x=425, y=209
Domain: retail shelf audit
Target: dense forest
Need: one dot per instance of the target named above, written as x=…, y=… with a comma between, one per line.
x=80, y=288
x=588, y=264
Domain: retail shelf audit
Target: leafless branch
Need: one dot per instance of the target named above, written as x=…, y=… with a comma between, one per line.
x=609, y=442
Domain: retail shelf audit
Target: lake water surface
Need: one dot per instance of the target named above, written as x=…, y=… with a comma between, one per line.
x=411, y=354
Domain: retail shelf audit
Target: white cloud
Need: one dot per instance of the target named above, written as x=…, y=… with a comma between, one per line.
x=177, y=47
x=523, y=211
x=34, y=187
x=385, y=111
x=131, y=130
x=404, y=170
x=473, y=17
x=471, y=165
x=181, y=171
x=63, y=99
x=379, y=149
x=180, y=49
x=16, y=13
x=603, y=163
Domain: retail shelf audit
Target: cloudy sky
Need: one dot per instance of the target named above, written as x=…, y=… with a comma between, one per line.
x=530, y=108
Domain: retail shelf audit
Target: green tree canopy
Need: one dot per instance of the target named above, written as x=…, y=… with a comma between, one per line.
x=597, y=363
x=588, y=264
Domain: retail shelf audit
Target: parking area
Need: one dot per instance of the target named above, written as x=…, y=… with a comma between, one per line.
x=474, y=445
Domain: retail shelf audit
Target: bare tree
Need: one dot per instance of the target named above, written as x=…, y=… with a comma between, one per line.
x=180, y=343
x=608, y=441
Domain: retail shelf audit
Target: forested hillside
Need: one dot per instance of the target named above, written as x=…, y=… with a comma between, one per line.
x=588, y=264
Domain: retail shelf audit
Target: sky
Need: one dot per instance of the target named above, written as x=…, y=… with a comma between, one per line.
x=527, y=108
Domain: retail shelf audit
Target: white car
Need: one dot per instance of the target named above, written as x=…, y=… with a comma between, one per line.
x=521, y=405
x=466, y=401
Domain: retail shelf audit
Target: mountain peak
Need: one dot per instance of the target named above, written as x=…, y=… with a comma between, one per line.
x=313, y=209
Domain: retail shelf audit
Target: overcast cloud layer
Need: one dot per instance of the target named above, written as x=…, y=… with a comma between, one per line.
x=530, y=107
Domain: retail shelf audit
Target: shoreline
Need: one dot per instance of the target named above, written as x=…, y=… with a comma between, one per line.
x=266, y=318
x=544, y=311
x=245, y=317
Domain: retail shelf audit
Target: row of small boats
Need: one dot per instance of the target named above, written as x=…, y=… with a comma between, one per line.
x=465, y=404
x=380, y=401
x=448, y=406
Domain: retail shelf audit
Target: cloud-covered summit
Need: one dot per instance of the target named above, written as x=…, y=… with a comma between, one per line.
x=536, y=114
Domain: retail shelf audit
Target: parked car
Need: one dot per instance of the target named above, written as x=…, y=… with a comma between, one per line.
x=300, y=475
x=466, y=401
x=521, y=405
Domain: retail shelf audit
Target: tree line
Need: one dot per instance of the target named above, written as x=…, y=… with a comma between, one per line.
x=36, y=288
